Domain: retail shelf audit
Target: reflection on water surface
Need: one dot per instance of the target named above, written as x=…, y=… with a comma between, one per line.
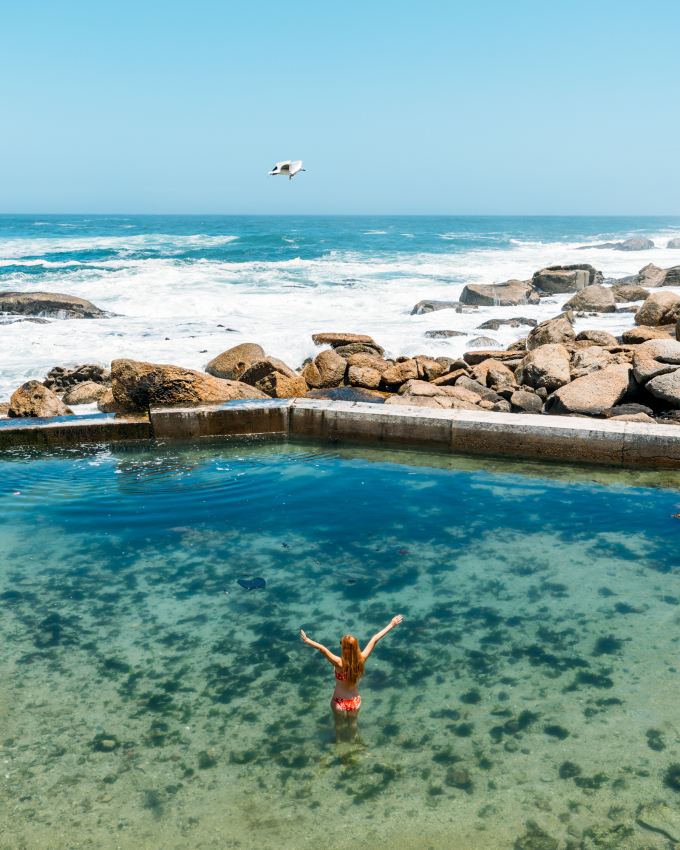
x=528, y=700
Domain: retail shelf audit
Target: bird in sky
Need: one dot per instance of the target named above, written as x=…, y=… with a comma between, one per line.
x=288, y=167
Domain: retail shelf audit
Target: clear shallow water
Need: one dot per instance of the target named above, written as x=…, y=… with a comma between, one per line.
x=277, y=280
x=541, y=610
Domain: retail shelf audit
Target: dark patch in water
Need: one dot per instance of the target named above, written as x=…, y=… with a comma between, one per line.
x=253, y=583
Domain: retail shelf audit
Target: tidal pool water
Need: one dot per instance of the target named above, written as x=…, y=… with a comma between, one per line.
x=529, y=700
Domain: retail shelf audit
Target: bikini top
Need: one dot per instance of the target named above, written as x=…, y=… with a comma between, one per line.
x=341, y=677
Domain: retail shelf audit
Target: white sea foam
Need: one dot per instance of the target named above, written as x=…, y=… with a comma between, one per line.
x=170, y=308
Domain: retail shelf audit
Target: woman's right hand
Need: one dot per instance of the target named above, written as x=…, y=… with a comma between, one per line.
x=396, y=620
x=304, y=636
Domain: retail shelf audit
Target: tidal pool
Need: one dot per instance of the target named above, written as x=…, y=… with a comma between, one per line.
x=529, y=700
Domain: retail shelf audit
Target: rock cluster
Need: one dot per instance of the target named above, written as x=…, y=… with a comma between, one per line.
x=62, y=378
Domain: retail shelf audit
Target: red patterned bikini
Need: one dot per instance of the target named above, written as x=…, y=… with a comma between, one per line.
x=346, y=704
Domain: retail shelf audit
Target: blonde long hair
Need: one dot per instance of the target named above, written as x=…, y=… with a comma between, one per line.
x=352, y=660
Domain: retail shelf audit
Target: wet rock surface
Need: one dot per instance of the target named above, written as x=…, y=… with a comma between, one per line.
x=596, y=298
x=33, y=399
x=61, y=378
x=52, y=305
x=230, y=364
x=432, y=306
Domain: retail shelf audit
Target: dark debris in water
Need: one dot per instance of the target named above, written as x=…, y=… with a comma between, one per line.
x=253, y=583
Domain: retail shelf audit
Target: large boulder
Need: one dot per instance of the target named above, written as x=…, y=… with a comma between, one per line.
x=52, y=305
x=509, y=294
x=85, y=393
x=634, y=245
x=483, y=342
x=35, y=399
x=364, y=376
x=591, y=394
x=546, y=366
x=137, y=385
x=595, y=298
x=656, y=357
x=673, y=243
x=428, y=368
x=651, y=276
x=108, y=404
x=572, y=278
x=587, y=360
x=472, y=358
x=597, y=337
x=326, y=370
x=672, y=277
x=493, y=373
x=368, y=361
x=557, y=331
x=432, y=306
x=666, y=387
x=60, y=378
x=624, y=293
x=232, y=363
x=274, y=378
x=658, y=309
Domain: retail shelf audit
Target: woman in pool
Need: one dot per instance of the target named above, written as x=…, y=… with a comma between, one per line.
x=348, y=670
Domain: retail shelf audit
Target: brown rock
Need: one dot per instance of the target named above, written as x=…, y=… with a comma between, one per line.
x=364, y=376
x=369, y=361
x=232, y=363
x=596, y=298
x=509, y=294
x=350, y=394
x=590, y=395
x=501, y=406
x=492, y=373
x=4, y=407
x=84, y=393
x=625, y=292
x=584, y=361
x=474, y=387
x=336, y=340
x=256, y=372
x=520, y=345
x=635, y=336
x=597, y=338
x=137, y=385
x=326, y=370
x=651, y=275
x=546, y=366
x=551, y=332
x=462, y=394
x=472, y=358
x=347, y=351
x=656, y=357
x=33, y=399
x=400, y=373
x=428, y=369
x=420, y=388
x=278, y=385
x=432, y=306
x=50, y=304
x=633, y=417
x=450, y=378
x=656, y=309
x=108, y=404
x=558, y=279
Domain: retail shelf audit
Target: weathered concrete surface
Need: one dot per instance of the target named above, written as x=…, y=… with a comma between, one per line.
x=235, y=418
x=564, y=439
x=73, y=430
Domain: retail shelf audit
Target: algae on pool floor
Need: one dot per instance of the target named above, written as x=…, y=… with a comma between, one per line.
x=529, y=696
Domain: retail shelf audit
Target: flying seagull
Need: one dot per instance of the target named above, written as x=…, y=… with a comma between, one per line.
x=288, y=167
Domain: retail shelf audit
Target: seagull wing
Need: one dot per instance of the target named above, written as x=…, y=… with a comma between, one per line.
x=281, y=167
x=294, y=167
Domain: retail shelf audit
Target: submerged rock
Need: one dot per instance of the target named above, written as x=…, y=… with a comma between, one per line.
x=53, y=305
x=432, y=306
x=34, y=399
x=230, y=364
x=536, y=839
x=662, y=817
x=137, y=385
x=512, y=293
x=674, y=243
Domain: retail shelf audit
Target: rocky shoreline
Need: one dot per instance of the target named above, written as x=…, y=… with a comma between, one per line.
x=553, y=370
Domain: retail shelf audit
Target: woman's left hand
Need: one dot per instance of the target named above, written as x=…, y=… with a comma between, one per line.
x=304, y=636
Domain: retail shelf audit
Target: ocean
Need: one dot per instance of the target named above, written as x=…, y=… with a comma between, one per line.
x=185, y=288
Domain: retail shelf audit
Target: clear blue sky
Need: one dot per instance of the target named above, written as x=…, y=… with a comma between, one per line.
x=481, y=107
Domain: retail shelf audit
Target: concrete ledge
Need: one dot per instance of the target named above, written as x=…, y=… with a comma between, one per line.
x=470, y=432
x=73, y=430
x=234, y=418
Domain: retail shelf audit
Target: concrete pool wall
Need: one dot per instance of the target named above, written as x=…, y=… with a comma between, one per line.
x=558, y=438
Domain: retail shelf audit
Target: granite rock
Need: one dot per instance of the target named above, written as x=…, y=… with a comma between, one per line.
x=591, y=394
x=512, y=293
x=557, y=331
x=546, y=366
x=597, y=337
x=595, y=298
x=34, y=399
x=85, y=393
x=232, y=363
x=52, y=305
x=657, y=308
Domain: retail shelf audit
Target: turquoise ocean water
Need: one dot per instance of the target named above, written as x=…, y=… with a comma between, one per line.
x=528, y=700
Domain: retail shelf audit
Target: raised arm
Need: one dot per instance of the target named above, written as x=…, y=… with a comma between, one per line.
x=372, y=642
x=337, y=662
